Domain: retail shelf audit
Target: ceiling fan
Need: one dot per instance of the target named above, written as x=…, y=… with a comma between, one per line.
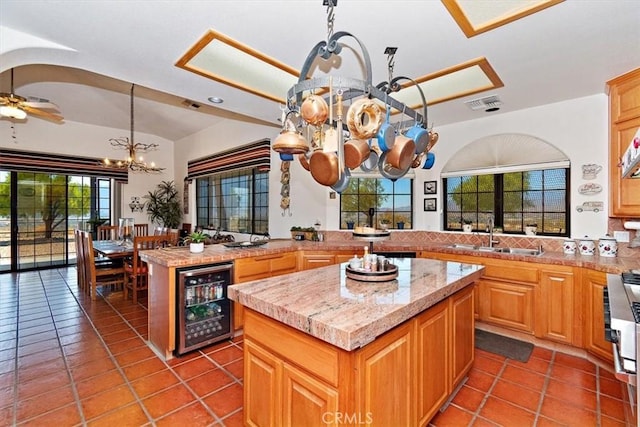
x=17, y=107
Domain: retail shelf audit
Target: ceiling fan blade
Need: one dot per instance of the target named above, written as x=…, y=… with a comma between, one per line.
x=42, y=105
x=43, y=114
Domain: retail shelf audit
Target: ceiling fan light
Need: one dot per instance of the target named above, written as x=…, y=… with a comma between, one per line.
x=13, y=112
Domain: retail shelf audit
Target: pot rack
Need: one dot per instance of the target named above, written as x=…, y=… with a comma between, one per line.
x=350, y=88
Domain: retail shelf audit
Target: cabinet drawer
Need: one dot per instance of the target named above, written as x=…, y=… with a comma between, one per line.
x=512, y=272
x=286, y=263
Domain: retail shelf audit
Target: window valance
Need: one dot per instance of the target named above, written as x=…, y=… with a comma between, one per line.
x=21, y=161
x=254, y=155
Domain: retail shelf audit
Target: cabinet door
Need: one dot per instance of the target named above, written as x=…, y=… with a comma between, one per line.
x=310, y=261
x=506, y=304
x=283, y=264
x=462, y=334
x=262, y=395
x=624, y=99
x=307, y=401
x=594, y=283
x=433, y=347
x=383, y=370
x=554, y=317
x=625, y=193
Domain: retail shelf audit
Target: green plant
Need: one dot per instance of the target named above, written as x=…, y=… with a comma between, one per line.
x=467, y=221
x=163, y=205
x=198, y=237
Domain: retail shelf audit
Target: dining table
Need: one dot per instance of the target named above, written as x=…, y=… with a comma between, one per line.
x=112, y=248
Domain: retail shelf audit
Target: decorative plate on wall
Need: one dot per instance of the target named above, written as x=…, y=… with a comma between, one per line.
x=590, y=188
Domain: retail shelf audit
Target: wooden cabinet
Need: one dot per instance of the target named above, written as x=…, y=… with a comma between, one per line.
x=506, y=304
x=260, y=267
x=315, y=259
x=555, y=304
x=593, y=285
x=401, y=378
x=624, y=112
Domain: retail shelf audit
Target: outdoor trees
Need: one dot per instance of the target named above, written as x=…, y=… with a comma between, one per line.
x=361, y=195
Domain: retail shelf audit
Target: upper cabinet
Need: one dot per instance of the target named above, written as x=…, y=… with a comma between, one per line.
x=624, y=116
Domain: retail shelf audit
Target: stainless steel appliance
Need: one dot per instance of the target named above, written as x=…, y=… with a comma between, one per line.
x=622, y=327
x=203, y=311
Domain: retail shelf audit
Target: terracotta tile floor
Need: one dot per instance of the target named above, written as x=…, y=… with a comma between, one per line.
x=66, y=361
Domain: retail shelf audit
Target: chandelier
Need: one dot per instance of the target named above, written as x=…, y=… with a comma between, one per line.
x=133, y=161
x=363, y=138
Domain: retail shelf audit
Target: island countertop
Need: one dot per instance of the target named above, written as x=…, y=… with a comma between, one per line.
x=348, y=313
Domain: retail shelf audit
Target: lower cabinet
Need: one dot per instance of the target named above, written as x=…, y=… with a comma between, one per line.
x=507, y=304
x=555, y=304
x=593, y=285
x=260, y=267
x=401, y=378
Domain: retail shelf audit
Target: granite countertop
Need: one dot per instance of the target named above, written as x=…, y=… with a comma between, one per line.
x=181, y=257
x=350, y=313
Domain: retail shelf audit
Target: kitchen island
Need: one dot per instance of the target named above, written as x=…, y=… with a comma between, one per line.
x=321, y=348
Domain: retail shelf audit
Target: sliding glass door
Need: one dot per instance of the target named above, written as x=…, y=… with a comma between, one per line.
x=38, y=213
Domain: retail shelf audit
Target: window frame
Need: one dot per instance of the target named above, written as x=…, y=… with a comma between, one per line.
x=481, y=217
x=258, y=205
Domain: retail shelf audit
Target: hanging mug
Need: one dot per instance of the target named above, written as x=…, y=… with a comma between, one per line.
x=590, y=171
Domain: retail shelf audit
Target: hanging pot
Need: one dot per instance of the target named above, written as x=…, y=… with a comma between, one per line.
x=314, y=110
x=324, y=167
x=356, y=151
x=428, y=163
x=401, y=155
x=364, y=119
x=417, y=160
x=389, y=171
x=420, y=136
x=371, y=162
x=343, y=182
x=290, y=141
x=386, y=135
x=433, y=140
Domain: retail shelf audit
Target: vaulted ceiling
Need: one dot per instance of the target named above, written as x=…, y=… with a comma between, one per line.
x=84, y=55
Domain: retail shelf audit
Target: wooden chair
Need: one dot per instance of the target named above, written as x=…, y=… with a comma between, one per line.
x=80, y=264
x=107, y=232
x=98, y=276
x=135, y=269
x=141, y=229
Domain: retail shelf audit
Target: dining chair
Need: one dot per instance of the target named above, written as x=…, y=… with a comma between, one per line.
x=141, y=229
x=96, y=275
x=136, y=271
x=107, y=232
x=80, y=265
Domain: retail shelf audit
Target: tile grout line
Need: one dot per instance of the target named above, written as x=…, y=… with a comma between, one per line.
x=180, y=379
x=545, y=385
x=487, y=394
x=111, y=356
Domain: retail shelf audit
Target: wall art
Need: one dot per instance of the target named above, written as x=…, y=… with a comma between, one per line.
x=430, y=205
x=430, y=187
x=590, y=189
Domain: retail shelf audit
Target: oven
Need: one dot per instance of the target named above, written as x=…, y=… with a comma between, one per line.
x=622, y=328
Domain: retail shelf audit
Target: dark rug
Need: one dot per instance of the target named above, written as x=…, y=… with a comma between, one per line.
x=504, y=346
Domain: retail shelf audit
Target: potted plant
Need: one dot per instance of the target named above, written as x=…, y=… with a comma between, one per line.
x=467, y=225
x=163, y=205
x=196, y=241
x=384, y=223
x=400, y=220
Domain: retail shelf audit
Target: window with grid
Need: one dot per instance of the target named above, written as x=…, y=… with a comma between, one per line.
x=236, y=201
x=515, y=200
x=392, y=202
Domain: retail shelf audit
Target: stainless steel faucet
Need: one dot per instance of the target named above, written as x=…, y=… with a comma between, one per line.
x=492, y=241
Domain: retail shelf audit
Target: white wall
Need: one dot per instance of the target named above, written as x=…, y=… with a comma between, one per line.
x=82, y=140
x=577, y=127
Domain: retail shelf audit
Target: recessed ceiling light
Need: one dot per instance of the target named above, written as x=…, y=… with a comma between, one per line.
x=215, y=100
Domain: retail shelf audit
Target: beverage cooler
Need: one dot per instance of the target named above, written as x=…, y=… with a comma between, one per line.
x=203, y=310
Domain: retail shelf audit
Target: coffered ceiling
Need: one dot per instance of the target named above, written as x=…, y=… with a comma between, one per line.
x=83, y=55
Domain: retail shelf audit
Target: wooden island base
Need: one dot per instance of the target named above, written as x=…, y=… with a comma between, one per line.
x=401, y=378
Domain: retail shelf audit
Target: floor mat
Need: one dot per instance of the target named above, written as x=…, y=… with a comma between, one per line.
x=505, y=346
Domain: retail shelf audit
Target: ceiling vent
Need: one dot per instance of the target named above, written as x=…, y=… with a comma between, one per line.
x=487, y=103
x=190, y=104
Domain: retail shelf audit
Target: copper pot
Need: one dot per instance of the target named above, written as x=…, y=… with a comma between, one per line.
x=290, y=142
x=401, y=154
x=314, y=110
x=324, y=167
x=356, y=151
x=303, y=161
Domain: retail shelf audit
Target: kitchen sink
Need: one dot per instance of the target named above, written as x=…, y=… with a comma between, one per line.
x=514, y=251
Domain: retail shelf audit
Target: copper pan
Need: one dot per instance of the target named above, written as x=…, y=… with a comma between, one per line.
x=314, y=110
x=401, y=154
x=324, y=167
x=356, y=151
